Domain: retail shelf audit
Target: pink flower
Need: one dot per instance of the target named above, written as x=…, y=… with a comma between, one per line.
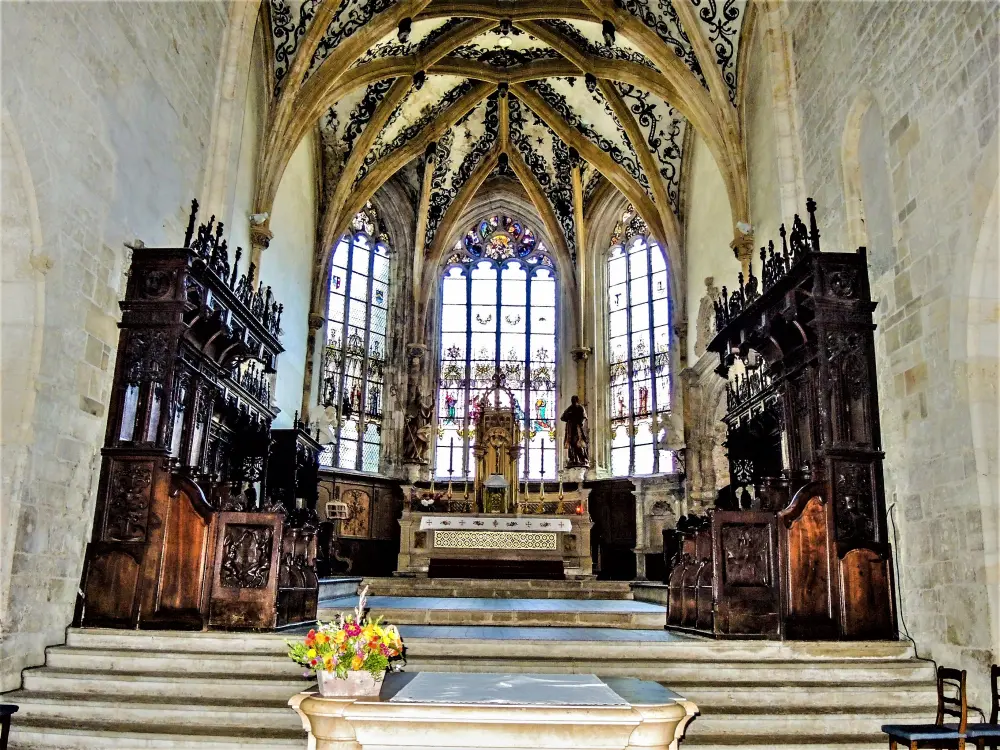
x=352, y=629
x=384, y=649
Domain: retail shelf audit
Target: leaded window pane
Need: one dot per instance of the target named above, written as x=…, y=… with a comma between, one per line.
x=498, y=314
x=354, y=360
x=638, y=351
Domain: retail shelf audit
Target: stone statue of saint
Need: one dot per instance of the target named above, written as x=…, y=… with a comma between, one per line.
x=576, y=440
x=417, y=444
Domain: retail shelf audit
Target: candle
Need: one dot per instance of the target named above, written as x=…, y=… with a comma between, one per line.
x=451, y=457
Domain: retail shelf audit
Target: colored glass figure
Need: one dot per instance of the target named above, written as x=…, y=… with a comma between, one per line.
x=335, y=282
x=449, y=405
x=541, y=420
x=622, y=407
x=379, y=297
x=643, y=400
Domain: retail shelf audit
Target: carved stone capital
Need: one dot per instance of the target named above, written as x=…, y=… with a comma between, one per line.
x=742, y=247
x=260, y=236
x=416, y=351
x=581, y=353
x=316, y=322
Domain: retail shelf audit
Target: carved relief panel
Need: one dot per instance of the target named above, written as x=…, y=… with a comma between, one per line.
x=246, y=556
x=358, y=501
x=128, y=499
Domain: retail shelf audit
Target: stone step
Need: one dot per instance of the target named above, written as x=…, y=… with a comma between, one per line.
x=859, y=721
x=333, y=588
x=682, y=648
x=241, y=713
x=54, y=734
x=721, y=698
x=498, y=589
x=259, y=665
x=838, y=741
x=486, y=611
x=178, y=685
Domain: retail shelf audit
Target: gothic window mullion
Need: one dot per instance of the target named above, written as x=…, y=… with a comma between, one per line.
x=359, y=460
x=467, y=420
x=528, y=283
x=630, y=364
x=654, y=404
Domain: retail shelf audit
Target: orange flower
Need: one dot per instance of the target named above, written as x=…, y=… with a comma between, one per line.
x=357, y=662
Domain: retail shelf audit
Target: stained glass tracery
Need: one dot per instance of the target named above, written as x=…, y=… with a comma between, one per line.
x=638, y=352
x=354, y=356
x=498, y=315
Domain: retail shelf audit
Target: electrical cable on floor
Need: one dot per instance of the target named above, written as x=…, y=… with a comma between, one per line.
x=902, y=620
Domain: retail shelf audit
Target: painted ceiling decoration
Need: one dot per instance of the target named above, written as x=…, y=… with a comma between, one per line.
x=519, y=97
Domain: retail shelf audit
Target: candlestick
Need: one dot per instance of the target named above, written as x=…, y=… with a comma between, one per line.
x=432, y=486
x=449, y=488
x=560, y=489
x=466, y=486
x=451, y=457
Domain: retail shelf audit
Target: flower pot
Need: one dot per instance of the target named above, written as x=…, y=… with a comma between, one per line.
x=358, y=683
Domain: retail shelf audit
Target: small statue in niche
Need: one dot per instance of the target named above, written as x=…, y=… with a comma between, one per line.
x=576, y=440
x=417, y=441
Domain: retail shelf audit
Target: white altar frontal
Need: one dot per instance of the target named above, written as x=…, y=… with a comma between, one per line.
x=435, y=710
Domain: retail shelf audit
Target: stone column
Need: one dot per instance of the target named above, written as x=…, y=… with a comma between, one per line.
x=316, y=322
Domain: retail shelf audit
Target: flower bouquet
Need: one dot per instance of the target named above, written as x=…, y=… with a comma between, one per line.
x=350, y=655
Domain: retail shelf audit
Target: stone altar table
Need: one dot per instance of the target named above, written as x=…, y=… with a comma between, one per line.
x=438, y=710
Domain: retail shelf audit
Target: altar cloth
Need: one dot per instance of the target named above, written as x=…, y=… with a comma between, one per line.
x=500, y=523
x=508, y=689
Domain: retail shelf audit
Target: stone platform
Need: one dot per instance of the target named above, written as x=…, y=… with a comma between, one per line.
x=226, y=691
x=498, y=589
x=470, y=611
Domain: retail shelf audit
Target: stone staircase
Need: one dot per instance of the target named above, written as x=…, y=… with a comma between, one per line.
x=223, y=691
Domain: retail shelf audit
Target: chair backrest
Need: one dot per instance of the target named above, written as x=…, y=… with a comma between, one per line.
x=951, y=696
x=995, y=679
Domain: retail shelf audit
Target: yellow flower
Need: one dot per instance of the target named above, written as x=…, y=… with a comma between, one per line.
x=311, y=653
x=357, y=662
x=339, y=637
x=322, y=638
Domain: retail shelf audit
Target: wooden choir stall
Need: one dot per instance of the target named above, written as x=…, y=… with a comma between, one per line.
x=205, y=515
x=796, y=546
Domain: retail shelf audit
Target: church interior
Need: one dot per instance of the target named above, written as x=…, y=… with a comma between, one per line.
x=647, y=340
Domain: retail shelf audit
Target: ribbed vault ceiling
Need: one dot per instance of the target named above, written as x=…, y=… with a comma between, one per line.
x=526, y=91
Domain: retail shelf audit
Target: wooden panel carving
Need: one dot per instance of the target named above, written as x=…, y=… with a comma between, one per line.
x=854, y=501
x=745, y=555
x=246, y=556
x=358, y=501
x=128, y=501
x=111, y=583
x=866, y=584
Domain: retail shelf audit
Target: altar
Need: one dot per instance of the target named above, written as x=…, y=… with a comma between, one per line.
x=433, y=710
x=499, y=524
x=559, y=538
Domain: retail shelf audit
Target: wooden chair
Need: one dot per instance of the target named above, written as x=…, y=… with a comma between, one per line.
x=983, y=733
x=938, y=734
x=6, y=710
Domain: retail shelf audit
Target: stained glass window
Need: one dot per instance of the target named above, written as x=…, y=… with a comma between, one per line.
x=498, y=315
x=638, y=351
x=354, y=358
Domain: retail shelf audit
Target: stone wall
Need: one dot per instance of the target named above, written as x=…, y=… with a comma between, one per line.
x=106, y=116
x=931, y=69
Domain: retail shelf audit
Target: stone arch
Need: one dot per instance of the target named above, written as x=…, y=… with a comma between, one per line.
x=232, y=77
x=22, y=301
x=868, y=191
